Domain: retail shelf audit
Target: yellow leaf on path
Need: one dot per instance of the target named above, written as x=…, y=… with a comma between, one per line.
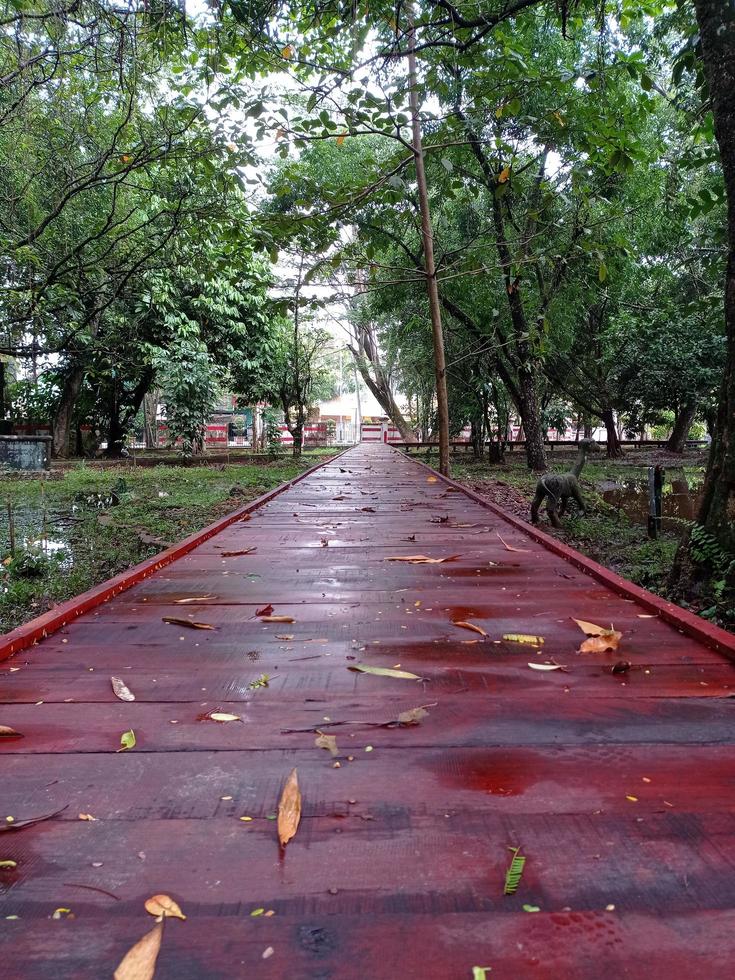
x=503, y=175
x=384, y=672
x=289, y=809
x=284, y=636
x=590, y=629
x=633, y=799
x=509, y=547
x=139, y=963
x=86, y=816
x=277, y=619
x=420, y=559
x=432, y=479
x=608, y=640
x=469, y=626
x=164, y=906
x=60, y=913
x=194, y=598
x=127, y=741
x=175, y=621
x=224, y=716
x=545, y=666
x=8, y=864
x=328, y=742
x=121, y=690
x=535, y=641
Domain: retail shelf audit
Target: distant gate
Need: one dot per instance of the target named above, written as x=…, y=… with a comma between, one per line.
x=379, y=432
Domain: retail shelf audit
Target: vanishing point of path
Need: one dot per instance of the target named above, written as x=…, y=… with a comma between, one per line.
x=618, y=788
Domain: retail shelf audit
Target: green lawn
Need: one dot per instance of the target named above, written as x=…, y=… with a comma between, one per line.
x=86, y=524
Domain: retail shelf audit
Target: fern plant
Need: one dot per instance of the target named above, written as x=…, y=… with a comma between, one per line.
x=514, y=872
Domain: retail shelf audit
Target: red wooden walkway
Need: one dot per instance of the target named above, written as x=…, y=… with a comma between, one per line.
x=620, y=789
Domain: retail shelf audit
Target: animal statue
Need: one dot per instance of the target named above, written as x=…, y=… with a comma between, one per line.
x=557, y=488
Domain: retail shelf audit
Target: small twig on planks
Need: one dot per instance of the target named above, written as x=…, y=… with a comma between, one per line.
x=91, y=888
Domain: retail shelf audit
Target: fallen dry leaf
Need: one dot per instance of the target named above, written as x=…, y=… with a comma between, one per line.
x=29, y=821
x=469, y=626
x=139, y=963
x=509, y=547
x=163, y=906
x=589, y=628
x=9, y=733
x=412, y=717
x=535, y=641
x=264, y=610
x=328, y=742
x=86, y=816
x=175, y=621
x=284, y=636
x=121, y=689
x=420, y=559
x=237, y=554
x=194, y=598
x=222, y=716
x=8, y=865
x=277, y=619
x=384, y=672
x=289, y=809
x=545, y=666
x=599, y=644
x=432, y=479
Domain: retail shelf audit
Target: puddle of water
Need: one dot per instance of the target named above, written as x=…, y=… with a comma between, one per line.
x=680, y=498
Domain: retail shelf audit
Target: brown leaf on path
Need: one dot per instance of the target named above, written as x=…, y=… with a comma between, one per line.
x=30, y=821
x=608, y=640
x=237, y=554
x=589, y=628
x=277, y=619
x=163, y=906
x=510, y=547
x=328, y=742
x=412, y=717
x=384, y=672
x=9, y=733
x=469, y=626
x=432, y=479
x=264, y=610
x=621, y=667
x=86, y=816
x=175, y=621
x=284, y=636
x=289, y=809
x=420, y=559
x=370, y=510
x=545, y=666
x=121, y=690
x=139, y=963
x=193, y=598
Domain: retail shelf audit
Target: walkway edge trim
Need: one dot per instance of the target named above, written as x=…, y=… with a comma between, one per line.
x=30, y=633
x=686, y=622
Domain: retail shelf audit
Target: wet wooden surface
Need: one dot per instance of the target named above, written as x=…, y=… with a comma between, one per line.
x=620, y=789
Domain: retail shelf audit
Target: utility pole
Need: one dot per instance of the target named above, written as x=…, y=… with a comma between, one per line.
x=432, y=288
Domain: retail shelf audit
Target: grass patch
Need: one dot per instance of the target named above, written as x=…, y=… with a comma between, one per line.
x=89, y=524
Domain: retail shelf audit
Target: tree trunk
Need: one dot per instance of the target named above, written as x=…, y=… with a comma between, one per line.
x=384, y=397
x=427, y=236
x=682, y=424
x=298, y=433
x=716, y=20
x=528, y=408
x=614, y=449
x=477, y=437
x=150, y=411
x=65, y=410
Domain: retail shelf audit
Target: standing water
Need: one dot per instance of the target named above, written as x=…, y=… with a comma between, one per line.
x=680, y=500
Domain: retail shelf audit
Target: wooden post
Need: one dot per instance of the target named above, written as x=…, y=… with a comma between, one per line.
x=655, y=486
x=11, y=529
